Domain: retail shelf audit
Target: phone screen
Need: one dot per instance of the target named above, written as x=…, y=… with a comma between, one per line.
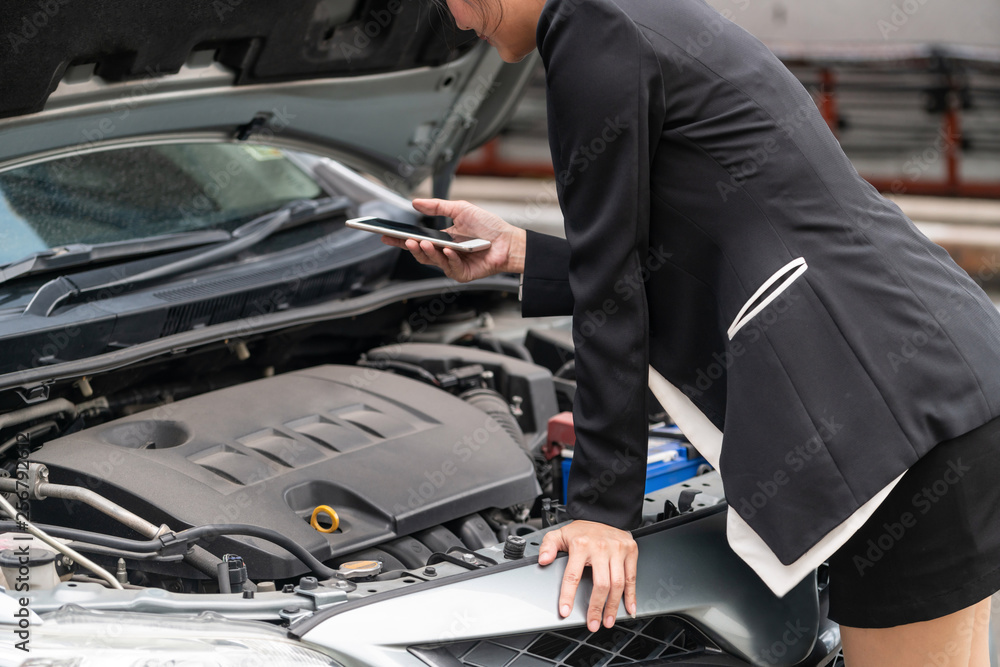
x=415, y=229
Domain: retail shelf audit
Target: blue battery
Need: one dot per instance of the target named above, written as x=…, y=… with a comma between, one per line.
x=667, y=462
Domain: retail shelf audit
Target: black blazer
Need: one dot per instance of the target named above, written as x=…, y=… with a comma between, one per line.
x=698, y=181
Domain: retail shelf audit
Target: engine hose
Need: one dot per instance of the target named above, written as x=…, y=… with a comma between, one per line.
x=189, y=535
x=27, y=434
x=59, y=547
x=495, y=405
x=204, y=561
x=99, y=539
x=197, y=557
x=54, y=407
x=273, y=536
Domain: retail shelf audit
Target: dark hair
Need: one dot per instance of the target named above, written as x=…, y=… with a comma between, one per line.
x=488, y=10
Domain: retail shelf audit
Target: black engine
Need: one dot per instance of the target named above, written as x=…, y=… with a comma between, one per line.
x=406, y=466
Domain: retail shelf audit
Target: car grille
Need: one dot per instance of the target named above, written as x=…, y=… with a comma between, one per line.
x=627, y=643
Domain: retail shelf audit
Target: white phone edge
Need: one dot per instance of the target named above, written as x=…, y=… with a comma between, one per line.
x=474, y=245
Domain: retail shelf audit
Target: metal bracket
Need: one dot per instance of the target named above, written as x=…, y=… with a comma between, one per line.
x=470, y=560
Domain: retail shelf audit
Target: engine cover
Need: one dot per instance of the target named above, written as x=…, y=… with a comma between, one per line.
x=391, y=455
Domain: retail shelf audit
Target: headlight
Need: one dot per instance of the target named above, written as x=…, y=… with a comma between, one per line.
x=75, y=637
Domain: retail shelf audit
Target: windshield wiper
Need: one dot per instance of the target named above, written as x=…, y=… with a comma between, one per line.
x=295, y=213
x=249, y=233
x=83, y=254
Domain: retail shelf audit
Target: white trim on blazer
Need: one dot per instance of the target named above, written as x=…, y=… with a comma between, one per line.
x=707, y=439
x=797, y=267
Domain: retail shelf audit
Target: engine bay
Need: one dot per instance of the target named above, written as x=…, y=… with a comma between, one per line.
x=417, y=453
x=351, y=457
x=389, y=455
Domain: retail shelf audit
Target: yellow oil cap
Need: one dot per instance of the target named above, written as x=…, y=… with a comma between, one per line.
x=330, y=512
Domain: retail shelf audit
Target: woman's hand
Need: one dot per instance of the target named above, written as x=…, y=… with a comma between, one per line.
x=612, y=555
x=505, y=254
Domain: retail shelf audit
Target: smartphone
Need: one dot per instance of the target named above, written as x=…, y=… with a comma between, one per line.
x=402, y=230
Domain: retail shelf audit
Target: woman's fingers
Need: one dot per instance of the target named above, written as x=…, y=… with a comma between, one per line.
x=427, y=206
x=631, y=569
x=571, y=581
x=472, y=221
x=393, y=241
x=456, y=266
x=422, y=251
x=432, y=253
x=445, y=207
x=600, y=568
x=612, y=555
x=552, y=544
x=415, y=250
x=467, y=219
x=616, y=575
x=452, y=262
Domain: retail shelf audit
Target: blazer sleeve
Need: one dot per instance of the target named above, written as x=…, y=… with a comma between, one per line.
x=545, y=284
x=605, y=111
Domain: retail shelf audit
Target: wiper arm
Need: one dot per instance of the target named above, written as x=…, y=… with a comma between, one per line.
x=298, y=212
x=250, y=233
x=82, y=254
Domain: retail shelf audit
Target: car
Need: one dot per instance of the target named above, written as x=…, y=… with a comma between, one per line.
x=235, y=431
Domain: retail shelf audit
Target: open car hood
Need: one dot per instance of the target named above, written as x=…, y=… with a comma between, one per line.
x=388, y=86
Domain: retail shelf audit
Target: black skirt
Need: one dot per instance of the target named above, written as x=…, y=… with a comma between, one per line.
x=933, y=546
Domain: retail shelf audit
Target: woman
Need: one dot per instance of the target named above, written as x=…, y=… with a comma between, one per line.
x=811, y=343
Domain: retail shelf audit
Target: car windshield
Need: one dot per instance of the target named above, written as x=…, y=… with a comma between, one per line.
x=138, y=192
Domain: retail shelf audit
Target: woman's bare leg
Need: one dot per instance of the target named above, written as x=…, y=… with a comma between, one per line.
x=956, y=640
